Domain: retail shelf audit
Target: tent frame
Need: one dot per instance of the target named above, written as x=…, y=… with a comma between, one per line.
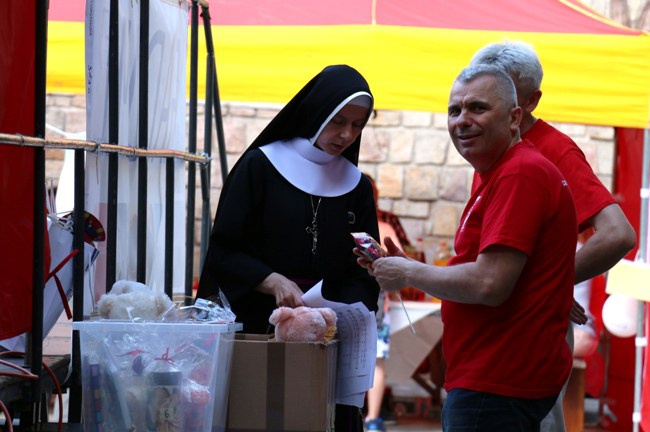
x=641, y=340
x=32, y=411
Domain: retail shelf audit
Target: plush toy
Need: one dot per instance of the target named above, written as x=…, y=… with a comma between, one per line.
x=129, y=300
x=303, y=324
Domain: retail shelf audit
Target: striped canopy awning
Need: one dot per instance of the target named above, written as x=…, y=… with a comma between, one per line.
x=595, y=71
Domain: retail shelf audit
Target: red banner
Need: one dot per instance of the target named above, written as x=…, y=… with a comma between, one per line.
x=17, y=54
x=626, y=187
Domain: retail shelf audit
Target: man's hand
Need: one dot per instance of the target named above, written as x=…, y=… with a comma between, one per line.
x=577, y=314
x=392, y=272
x=285, y=291
x=488, y=281
x=391, y=249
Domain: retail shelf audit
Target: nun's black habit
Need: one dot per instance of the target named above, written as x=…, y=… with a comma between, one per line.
x=270, y=197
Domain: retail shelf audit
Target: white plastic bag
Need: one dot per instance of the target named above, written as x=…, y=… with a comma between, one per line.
x=58, y=286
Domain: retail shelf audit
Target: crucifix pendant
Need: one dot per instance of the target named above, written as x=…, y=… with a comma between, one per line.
x=313, y=230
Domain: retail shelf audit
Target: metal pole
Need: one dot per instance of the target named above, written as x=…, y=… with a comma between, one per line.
x=169, y=228
x=206, y=221
x=113, y=137
x=215, y=97
x=191, y=169
x=143, y=142
x=205, y=170
x=640, y=340
x=34, y=356
x=78, y=262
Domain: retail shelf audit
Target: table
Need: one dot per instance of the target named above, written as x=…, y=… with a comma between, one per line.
x=407, y=350
x=12, y=389
x=56, y=355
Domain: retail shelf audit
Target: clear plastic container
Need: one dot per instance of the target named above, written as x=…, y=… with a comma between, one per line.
x=127, y=367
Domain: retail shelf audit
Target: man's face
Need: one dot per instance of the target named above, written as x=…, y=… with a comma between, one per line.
x=482, y=123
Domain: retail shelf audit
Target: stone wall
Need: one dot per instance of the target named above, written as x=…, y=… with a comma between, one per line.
x=419, y=174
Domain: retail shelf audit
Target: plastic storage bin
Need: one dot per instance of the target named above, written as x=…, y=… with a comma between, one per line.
x=155, y=376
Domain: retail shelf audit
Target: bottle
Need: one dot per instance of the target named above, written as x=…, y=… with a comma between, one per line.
x=440, y=257
x=412, y=292
x=164, y=411
x=419, y=247
x=442, y=254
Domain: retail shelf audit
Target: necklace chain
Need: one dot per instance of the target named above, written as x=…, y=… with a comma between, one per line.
x=313, y=229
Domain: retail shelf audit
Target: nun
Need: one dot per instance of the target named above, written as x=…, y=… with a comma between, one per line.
x=288, y=207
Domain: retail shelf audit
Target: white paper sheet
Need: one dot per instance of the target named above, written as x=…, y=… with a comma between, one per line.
x=357, y=353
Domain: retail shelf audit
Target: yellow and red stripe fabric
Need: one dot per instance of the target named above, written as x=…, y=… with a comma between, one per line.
x=596, y=71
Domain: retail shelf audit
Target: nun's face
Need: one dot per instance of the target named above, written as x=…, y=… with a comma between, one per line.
x=343, y=129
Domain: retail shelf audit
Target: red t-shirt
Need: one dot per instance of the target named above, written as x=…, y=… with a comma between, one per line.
x=517, y=349
x=589, y=194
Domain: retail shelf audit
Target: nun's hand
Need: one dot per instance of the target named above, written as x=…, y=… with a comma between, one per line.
x=286, y=292
x=363, y=260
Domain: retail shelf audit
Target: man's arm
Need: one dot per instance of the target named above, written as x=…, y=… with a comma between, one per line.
x=613, y=238
x=489, y=281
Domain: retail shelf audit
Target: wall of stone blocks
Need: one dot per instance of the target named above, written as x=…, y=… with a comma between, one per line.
x=419, y=174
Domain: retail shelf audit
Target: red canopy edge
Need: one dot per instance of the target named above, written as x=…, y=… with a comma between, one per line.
x=553, y=16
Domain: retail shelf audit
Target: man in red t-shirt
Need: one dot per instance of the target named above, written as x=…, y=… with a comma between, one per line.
x=507, y=294
x=613, y=236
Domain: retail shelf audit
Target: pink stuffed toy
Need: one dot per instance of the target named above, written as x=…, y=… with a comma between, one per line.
x=303, y=324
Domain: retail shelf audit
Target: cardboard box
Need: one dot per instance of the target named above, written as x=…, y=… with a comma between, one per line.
x=281, y=386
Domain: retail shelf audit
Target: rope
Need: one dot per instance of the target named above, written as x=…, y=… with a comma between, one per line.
x=96, y=147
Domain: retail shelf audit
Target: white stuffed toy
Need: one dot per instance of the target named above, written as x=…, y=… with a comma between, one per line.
x=129, y=300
